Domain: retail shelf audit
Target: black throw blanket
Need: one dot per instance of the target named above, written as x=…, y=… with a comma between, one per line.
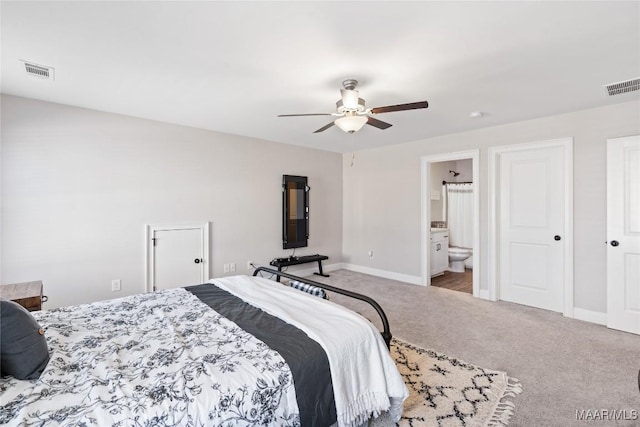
x=307, y=360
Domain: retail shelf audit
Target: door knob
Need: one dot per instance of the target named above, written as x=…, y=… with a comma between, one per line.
x=197, y=260
x=614, y=243
x=556, y=237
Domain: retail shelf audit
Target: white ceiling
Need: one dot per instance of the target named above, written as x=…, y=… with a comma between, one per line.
x=234, y=66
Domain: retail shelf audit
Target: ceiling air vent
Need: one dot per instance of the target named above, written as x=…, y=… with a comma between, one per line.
x=623, y=87
x=40, y=71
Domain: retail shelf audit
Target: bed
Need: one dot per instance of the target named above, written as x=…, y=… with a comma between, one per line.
x=237, y=351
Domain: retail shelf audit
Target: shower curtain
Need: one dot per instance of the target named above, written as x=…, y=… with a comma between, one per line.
x=458, y=212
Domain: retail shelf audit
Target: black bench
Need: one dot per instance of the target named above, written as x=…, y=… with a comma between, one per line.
x=295, y=260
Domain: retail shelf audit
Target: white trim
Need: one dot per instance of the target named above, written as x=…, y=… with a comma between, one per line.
x=494, y=179
x=414, y=280
x=568, y=227
x=492, y=262
x=590, y=316
x=425, y=215
x=425, y=225
x=149, y=252
x=484, y=294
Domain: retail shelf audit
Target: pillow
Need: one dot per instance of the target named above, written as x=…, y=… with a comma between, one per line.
x=310, y=289
x=23, y=349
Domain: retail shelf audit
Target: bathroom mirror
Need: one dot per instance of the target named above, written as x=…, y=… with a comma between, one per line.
x=295, y=211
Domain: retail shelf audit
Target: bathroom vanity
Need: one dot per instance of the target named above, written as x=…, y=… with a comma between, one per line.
x=439, y=251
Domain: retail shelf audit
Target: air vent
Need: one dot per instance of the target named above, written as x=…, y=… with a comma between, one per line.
x=623, y=87
x=40, y=71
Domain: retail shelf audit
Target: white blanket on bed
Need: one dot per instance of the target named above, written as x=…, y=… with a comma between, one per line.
x=348, y=339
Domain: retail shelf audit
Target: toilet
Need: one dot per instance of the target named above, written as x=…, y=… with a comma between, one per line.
x=457, y=256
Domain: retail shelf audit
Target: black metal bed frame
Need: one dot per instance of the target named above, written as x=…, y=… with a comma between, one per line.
x=386, y=333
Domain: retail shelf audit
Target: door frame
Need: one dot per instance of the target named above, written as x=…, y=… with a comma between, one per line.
x=425, y=196
x=494, y=193
x=149, y=252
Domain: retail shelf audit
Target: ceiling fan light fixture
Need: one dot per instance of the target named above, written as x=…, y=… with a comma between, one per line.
x=352, y=113
x=349, y=99
x=359, y=108
x=351, y=123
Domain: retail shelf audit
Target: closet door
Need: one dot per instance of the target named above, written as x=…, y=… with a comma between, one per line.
x=177, y=255
x=532, y=216
x=623, y=234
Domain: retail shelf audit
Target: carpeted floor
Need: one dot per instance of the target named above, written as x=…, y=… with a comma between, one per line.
x=565, y=365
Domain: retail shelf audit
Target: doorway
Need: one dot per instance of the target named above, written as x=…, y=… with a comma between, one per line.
x=177, y=255
x=531, y=224
x=436, y=219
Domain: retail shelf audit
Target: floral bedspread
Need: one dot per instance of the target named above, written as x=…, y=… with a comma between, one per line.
x=155, y=359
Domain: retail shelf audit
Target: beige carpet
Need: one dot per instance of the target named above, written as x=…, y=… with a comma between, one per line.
x=448, y=392
x=564, y=364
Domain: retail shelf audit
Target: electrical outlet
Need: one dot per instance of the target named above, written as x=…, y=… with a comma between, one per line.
x=226, y=268
x=232, y=268
x=370, y=253
x=249, y=266
x=115, y=285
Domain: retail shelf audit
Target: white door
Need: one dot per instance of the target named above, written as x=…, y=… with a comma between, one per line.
x=178, y=256
x=623, y=234
x=531, y=202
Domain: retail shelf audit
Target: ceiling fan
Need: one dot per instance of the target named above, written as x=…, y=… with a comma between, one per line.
x=352, y=113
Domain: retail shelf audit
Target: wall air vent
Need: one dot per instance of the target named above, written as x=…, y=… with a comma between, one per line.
x=40, y=71
x=623, y=87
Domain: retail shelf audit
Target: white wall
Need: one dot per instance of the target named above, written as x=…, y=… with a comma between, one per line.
x=465, y=168
x=440, y=172
x=79, y=185
x=382, y=194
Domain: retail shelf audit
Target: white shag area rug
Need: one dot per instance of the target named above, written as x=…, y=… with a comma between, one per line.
x=447, y=392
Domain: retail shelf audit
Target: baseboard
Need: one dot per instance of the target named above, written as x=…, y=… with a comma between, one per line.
x=590, y=316
x=407, y=278
x=578, y=313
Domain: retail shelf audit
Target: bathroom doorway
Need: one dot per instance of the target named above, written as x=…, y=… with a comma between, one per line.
x=450, y=221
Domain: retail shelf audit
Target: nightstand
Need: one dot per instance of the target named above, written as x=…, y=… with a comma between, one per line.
x=27, y=294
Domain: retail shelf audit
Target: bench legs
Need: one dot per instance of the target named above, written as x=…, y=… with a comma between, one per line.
x=320, y=270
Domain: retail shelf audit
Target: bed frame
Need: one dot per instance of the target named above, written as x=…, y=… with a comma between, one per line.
x=386, y=333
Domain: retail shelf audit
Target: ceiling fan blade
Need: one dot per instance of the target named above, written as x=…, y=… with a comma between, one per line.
x=400, y=107
x=301, y=115
x=323, y=128
x=378, y=123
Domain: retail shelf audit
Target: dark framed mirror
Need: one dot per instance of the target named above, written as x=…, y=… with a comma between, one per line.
x=295, y=211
